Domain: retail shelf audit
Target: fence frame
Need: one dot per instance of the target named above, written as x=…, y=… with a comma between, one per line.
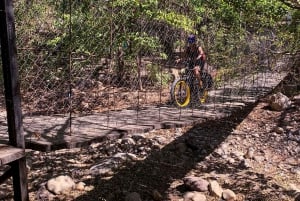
x=13, y=154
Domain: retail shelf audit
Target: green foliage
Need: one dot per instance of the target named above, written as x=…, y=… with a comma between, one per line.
x=176, y=20
x=292, y=36
x=230, y=31
x=157, y=75
x=141, y=42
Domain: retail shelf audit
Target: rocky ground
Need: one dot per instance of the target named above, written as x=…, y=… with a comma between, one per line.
x=253, y=155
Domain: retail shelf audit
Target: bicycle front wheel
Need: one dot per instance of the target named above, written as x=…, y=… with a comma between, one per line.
x=181, y=93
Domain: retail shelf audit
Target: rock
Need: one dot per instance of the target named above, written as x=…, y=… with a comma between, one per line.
x=228, y=195
x=128, y=140
x=259, y=158
x=157, y=196
x=60, y=184
x=196, y=183
x=89, y=188
x=161, y=140
x=231, y=160
x=220, y=151
x=133, y=197
x=225, y=148
x=250, y=153
x=296, y=99
x=279, y=102
x=125, y=156
x=108, y=165
x=80, y=186
x=138, y=137
x=238, y=154
x=296, y=171
x=246, y=163
x=194, y=196
x=297, y=198
x=215, y=189
x=95, y=145
x=44, y=194
x=279, y=130
x=293, y=187
x=105, y=168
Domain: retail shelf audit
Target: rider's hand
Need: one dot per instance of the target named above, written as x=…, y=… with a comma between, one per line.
x=203, y=57
x=177, y=61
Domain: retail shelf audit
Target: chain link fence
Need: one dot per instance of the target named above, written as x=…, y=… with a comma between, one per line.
x=80, y=58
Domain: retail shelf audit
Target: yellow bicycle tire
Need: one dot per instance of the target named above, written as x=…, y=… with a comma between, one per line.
x=204, y=96
x=181, y=87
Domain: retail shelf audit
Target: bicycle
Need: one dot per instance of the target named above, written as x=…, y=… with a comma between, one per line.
x=186, y=89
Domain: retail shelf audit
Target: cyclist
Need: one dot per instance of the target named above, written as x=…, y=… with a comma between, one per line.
x=195, y=57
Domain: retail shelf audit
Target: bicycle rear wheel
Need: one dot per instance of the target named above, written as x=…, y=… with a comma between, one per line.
x=207, y=84
x=181, y=93
x=203, y=94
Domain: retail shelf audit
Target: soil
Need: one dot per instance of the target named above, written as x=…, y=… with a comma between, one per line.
x=255, y=153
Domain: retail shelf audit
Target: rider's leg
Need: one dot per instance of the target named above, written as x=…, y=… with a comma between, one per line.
x=198, y=75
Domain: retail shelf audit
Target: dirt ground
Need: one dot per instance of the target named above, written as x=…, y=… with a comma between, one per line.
x=255, y=153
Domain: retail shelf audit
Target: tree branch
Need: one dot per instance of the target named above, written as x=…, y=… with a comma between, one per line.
x=292, y=4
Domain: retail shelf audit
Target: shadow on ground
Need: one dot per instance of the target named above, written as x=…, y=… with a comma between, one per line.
x=170, y=163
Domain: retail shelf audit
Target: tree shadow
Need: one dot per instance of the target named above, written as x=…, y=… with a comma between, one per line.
x=174, y=161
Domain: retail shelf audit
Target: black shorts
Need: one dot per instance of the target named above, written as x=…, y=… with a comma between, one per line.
x=198, y=62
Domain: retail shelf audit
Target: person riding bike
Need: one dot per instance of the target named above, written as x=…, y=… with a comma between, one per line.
x=195, y=57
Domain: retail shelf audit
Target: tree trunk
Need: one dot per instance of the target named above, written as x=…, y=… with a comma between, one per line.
x=139, y=68
x=120, y=64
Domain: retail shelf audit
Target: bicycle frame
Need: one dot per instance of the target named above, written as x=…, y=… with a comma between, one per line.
x=186, y=89
x=191, y=79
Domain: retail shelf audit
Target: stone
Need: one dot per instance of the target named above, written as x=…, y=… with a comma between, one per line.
x=128, y=140
x=231, y=160
x=134, y=196
x=44, y=194
x=104, y=169
x=196, y=183
x=279, y=130
x=161, y=140
x=259, y=158
x=80, y=186
x=250, y=153
x=238, y=154
x=228, y=195
x=215, y=188
x=95, y=145
x=297, y=198
x=279, y=102
x=296, y=99
x=246, y=163
x=194, y=196
x=157, y=196
x=60, y=184
x=125, y=156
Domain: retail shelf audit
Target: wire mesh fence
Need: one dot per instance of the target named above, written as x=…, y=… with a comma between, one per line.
x=90, y=60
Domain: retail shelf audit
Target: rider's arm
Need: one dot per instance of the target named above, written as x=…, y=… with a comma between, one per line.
x=201, y=53
x=184, y=56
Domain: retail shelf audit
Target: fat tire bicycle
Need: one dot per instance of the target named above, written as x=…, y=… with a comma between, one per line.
x=186, y=90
